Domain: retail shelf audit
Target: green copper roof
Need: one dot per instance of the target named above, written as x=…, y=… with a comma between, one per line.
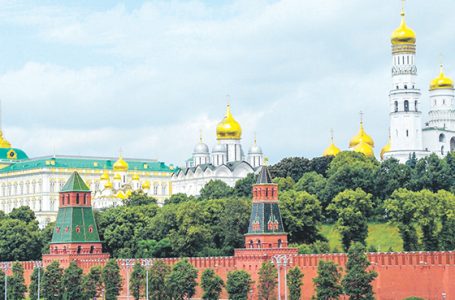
x=90, y=163
x=265, y=218
x=75, y=225
x=12, y=154
x=75, y=184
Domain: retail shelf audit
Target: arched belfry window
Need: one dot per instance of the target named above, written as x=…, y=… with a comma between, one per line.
x=406, y=105
x=442, y=138
x=415, y=105
x=396, y=106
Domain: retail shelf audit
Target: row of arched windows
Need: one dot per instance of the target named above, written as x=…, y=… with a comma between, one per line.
x=406, y=107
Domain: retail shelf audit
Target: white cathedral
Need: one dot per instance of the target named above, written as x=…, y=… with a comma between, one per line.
x=227, y=162
x=408, y=133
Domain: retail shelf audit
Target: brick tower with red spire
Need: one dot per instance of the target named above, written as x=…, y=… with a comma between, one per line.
x=75, y=233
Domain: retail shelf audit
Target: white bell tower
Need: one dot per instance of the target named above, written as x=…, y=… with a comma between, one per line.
x=404, y=97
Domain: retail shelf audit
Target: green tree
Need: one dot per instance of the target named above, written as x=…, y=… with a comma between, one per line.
x=428, y=208
x=123, y=227
x=23, y=213
x=45, y=237
x=238, y=285
x=139, y=198
x=181, y=282
x=295, y=283
x=244, y=187
x=53, y=282
x=211, y=284
x=152, y=248
x=312, y=183
x=321, y=164
x=301, y=214
x=352, y=209
x=293, y=167
x=401, y=210
x=112, y=280
x=92, y=283
x=137, y=281
x=20, y=241
x=179, y=198
x=72, y=282
x=357, y=281
x=2, y=279
x=33, y=287
x=16, y=283
x=349, y=170
x=267, y=281
x=391, y=176
x=431, y=173
x=157, y=280
x=233, y=224
x=284, y=183
x=447, y=234
x=327, y=283
x=216, y=189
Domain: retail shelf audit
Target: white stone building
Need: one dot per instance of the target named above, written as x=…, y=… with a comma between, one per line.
x=227, y=162
x=408, y=133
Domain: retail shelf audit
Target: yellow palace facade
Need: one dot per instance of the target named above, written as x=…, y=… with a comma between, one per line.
x=36, y=182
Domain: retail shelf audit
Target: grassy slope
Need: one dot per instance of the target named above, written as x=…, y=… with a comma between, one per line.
x=382, y=236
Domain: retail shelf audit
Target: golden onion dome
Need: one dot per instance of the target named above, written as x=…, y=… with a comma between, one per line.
x=3, y=142
x=331, y=150
x=121, y=195
x=108, y=185
x=386, y=148
x=361, y=136
x=146, y=185
x=120, y=165
x=228, y=128
x=135, y=176
x=441, y=82
x=117, y=177
x=105, y=175
x=365, y=149
x=403, y=34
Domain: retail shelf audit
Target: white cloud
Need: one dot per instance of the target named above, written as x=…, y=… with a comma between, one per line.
x=147, y=78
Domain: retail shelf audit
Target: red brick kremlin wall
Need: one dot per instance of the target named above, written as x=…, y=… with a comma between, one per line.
x=425, y=274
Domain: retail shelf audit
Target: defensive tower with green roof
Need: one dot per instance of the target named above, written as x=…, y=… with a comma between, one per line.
x=266, y=228
x=75, y=233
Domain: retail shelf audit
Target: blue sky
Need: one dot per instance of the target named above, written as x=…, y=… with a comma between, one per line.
x=94, y=77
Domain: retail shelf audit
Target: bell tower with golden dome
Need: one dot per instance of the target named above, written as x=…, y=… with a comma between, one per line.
x=229, y=134
x=404, y=96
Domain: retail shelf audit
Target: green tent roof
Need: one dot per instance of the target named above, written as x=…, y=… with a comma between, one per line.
x=75, y=225
x=75, y=184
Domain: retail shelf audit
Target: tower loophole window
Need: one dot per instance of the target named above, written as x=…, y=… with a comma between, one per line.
x=407, y=132
x=406, y=105
x=415, y=105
